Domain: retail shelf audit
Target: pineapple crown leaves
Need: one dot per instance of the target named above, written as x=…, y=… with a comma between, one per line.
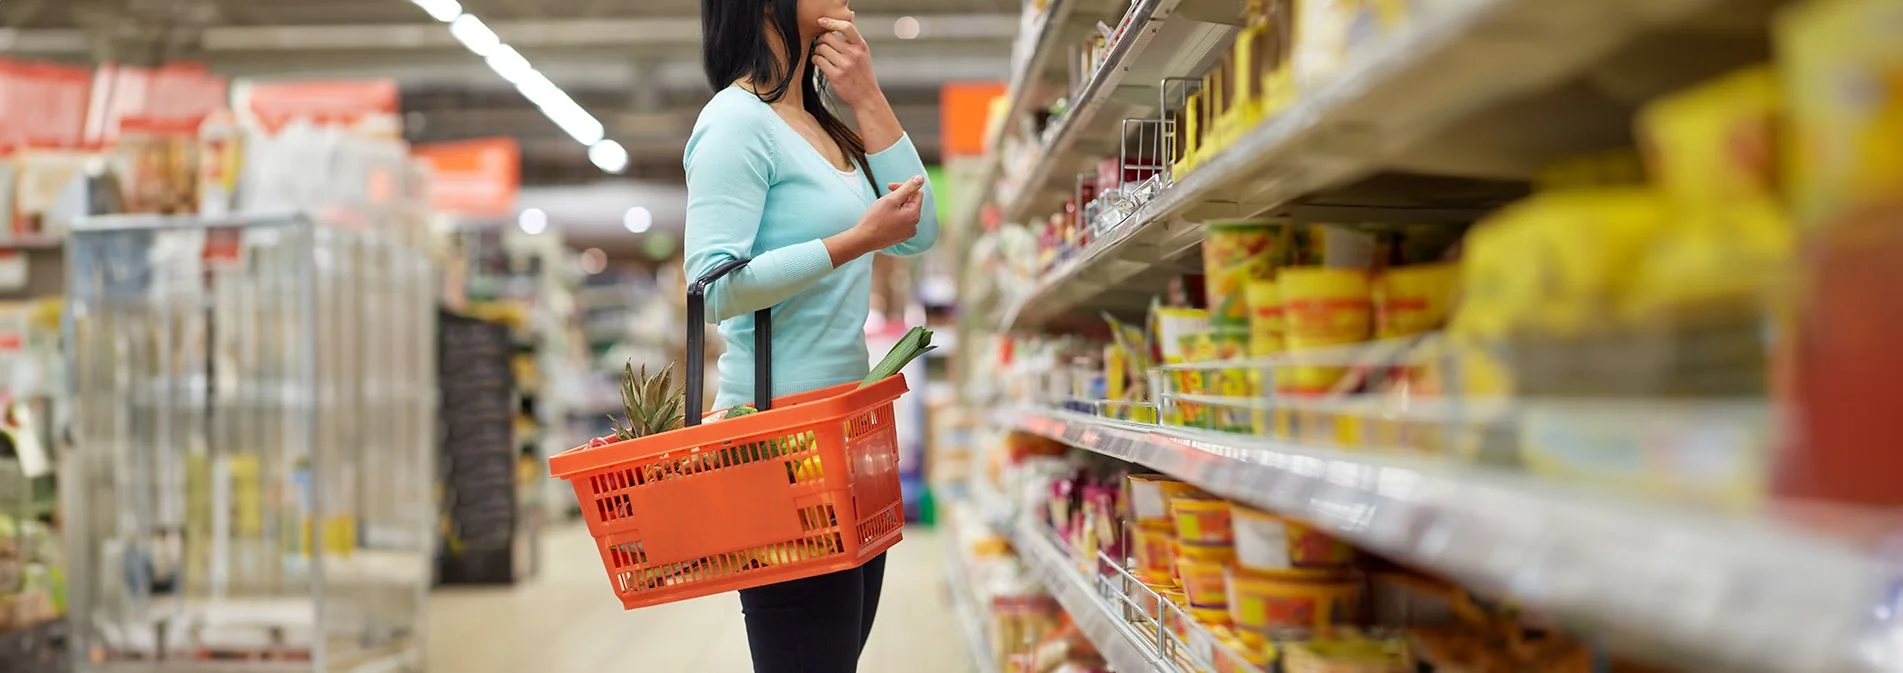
x=653, y=404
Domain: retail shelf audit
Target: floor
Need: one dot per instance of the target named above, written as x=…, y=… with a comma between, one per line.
x=566, y=621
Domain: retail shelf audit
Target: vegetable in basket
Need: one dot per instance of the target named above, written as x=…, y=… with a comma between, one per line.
x=916, y=342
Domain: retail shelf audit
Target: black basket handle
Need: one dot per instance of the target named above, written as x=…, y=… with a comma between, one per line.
x=697, y=345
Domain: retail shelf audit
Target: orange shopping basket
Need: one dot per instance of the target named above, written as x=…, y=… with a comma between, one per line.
x=807, y=486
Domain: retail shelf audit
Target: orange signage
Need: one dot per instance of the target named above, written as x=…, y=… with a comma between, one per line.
x=473, y=177
x=964, y=111
x=276, y=105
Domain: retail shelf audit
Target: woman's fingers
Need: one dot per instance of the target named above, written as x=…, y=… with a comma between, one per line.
x=825, y=66
x=843, y=25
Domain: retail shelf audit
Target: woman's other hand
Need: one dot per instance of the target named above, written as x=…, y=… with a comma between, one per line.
x=891, y=220
x=843, y=57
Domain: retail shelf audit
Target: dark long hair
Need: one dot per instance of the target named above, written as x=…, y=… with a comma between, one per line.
x=735, y=46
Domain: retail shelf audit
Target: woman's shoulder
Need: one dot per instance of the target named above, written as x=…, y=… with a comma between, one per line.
x=735, y=110
x=736, y=118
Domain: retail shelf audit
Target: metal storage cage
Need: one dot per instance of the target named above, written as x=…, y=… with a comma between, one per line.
x=251, y=482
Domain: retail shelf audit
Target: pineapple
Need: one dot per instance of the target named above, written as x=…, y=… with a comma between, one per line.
x=653, y=404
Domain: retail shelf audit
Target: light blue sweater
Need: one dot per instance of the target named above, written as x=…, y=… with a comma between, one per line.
x=757, y=189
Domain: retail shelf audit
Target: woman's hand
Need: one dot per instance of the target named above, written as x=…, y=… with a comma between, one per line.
x=891, y=220
x=843, y=57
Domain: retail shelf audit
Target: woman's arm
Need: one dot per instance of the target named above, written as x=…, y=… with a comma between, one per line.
x=842, y=55
x=898, y=161
x=729, y=168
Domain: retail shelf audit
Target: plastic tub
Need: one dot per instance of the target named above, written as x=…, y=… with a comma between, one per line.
x=1155, y=551
x=1205, y=583
x=1202, y=520
x=1150, y=496
x=1270, y=543
x=1265, y=603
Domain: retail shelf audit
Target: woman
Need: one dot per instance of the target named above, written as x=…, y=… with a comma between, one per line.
x=773, y=176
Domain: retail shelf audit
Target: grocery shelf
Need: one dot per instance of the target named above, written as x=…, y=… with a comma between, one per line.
x=1046, y=26
x=1120, y=644
x=1157, y=42
x=1458, y=92
x=965, y=607
x=1667, y=582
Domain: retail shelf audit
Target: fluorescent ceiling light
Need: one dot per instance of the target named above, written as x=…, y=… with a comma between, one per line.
x=576, y=122
x=509, y=64
x=533, y=221
x=475, y=35
x=638, y=220
x=610, y=156
x=441, y=10
x=512, y=67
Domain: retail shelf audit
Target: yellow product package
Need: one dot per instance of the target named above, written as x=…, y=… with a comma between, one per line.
x=1266, y=324
x=1716, y=141
x=1414, y=300
x=1232, y=382
x=1266, y=327
x=1173, y=327
x=1729, y=258
x=1235, y=253
x=1323, y=308
x=1559, y=262
x=1197, y=347
x=1842, y=63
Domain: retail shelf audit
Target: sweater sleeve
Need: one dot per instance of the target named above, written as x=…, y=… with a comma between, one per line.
x=897, y=164
x=730, y=164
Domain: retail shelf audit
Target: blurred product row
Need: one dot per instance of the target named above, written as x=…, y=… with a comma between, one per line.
x=1463, y=335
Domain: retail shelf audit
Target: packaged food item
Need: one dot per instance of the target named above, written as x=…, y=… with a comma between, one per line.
x=1229, y=382
x=1236, y=253
x=1249, y=63
x=1155, y=549
x=1266, y=323
x=1323, y=307
x=1265, y=603
x=1351, y=654
x=1414, y=300
x=1148, y=502
x=1842, y=364
x=1334, y=246
x=1273, y=544
x=1842, y=65
x=1218, y=553
x=1558, y=263
x=1203, y=582
x=1216, y=96
x=1202, y=520
x=1189, y=136
x=1198, y=348
x=1173, y=329
x=1715, y=141
x=1233, y=655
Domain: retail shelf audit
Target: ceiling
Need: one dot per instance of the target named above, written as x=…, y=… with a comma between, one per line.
x=633, y=64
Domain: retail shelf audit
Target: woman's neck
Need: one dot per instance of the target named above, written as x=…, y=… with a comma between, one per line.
x=795, y=96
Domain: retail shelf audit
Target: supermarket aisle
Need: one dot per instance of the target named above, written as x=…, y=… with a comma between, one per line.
x=565, y=622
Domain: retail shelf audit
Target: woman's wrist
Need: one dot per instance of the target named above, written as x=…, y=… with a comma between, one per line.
x=878, y=123
x=846, y=246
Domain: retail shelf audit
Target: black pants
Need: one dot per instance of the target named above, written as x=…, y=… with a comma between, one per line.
x=814, y=625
